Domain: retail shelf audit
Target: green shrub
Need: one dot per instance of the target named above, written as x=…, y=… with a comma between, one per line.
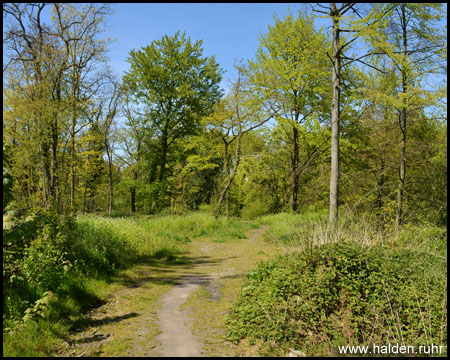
x=343, y=294
x=255, y=208
x=35, y=258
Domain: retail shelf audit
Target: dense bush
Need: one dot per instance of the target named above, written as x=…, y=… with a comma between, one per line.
x=44, y=251
x=35, y=250
x=343, y=294
x=255, y=208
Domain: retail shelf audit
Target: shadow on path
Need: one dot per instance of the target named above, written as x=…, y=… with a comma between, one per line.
x=164, y=270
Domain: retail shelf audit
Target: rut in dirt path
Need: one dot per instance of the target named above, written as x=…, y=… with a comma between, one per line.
x=176, y=337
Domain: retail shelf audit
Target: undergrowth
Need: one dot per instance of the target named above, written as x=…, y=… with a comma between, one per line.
x=55, y=266
x=346, y=293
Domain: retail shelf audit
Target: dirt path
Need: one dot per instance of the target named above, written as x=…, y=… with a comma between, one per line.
x=176, y=337
x=174, y=309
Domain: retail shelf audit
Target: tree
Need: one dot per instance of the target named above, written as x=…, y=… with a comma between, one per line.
x=92, y=148
x=336, y=14
x=51, y=76
x=110, y=111
x=36, y=56
x=78, y=29
x=290, y=73
x=131, y=138
x=176, y=85
x=412, y=40
x=198, y=171
x=239, y=113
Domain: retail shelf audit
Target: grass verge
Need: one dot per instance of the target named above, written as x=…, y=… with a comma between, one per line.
x=360, y=290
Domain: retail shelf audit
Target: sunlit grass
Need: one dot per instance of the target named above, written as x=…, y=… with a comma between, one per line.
x=312, y=228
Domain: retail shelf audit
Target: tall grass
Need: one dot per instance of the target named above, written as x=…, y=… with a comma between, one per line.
x=130, y=233
x=171, y=230
x=298, y=230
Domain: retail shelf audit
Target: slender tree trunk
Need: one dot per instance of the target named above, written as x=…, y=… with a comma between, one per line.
x=72, y=174
x=42, y=125
x=233, y=172
x=402, y=124
x=45, y=148
x=133, y=199
x=72, y=150
x=135, y=177
x=402, y=170
x=335, y=119
x=110, y=192
x=54, y=162
x=227, y=172
x=163, y=161
x=295, y=174
x=153, y=171
x=380, y=185
x=84, y=198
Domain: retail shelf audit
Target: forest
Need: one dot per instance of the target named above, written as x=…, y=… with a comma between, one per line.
x=330, y=142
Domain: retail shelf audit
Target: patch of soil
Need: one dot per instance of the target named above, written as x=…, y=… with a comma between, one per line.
x=176, y=337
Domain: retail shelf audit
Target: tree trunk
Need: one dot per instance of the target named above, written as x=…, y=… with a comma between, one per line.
x=295, y=173
x=135, y=177
x=111, y=194
x=162, y=163
x=54, y=168
x=133, y=199
x=380, y=185
x=335, y=119
x=84, y=198
x=72, y=166
x=402, y=170
x=46, y=171
x=233, y=172
x=72, y=144
x=227, y=172
x=402, y=124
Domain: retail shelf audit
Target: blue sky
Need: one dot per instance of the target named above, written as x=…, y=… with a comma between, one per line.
x=228, y=30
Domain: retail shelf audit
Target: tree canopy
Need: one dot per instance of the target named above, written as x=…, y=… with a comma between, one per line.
x=358, y=93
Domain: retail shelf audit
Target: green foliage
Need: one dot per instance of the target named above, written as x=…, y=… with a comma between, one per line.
x=194, y=177
x=41, y=307
x=177, y=86
x=343, y=293
x=255, y=208
x=173, y=69
x=7, y=179
x=289, y=62
x=33, y=244
x=34, y=339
